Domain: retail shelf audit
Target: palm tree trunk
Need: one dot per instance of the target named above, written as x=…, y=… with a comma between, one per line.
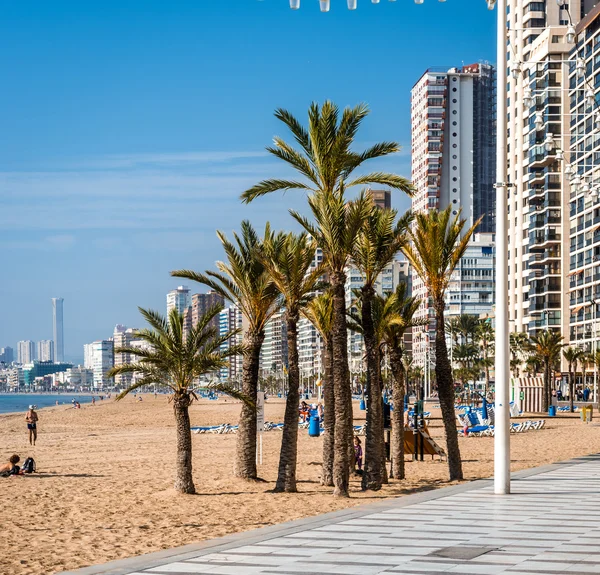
x=398, y=391
x=571, y=389
x=546, y=393
x=329, y=423
x=286, y=477
x=183, y=478
x=245, y=460
x=443, y=375
x=371, y=478
x=341, y=386
x=384, y=473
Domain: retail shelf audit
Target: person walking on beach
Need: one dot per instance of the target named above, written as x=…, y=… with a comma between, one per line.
x=32, y=418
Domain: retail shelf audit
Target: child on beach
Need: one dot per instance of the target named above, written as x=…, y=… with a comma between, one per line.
x=358, y=453
x=32, y=418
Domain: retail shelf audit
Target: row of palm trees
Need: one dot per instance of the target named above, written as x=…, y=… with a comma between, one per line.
x=542, y=353
x=262, y=274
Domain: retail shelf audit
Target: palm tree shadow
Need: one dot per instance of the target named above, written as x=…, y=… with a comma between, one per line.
x=49, y=475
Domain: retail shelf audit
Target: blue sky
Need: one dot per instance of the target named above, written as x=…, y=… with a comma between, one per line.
x=130, y=128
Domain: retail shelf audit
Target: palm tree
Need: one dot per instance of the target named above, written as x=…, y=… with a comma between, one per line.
x=289, y=258
x=485, y=335
x=177, y=360
x=319, y=312
x=398, y=313
x=546, y=348
x=467, y=325
x=572, y=355
x=244, y=280
x=519, y=346
x=467, y=356
x=437, y=243
x=373, y=250
x=326, y=163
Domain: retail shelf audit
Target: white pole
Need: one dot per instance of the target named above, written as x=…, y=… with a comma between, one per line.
x=501, y=415
x=595, y=351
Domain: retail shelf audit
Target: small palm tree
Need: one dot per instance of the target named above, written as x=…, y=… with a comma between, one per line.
x=546, y=348
x=288, y=258
x=373, y=250
x=326, y=162
x=319, y=312
x=437, y=242
x=177, y=361
x=245, y=280
x=398, y=313
x=572, y=355
x=520, y=347
x=485, y=335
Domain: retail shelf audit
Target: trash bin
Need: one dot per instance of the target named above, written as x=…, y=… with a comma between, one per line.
x=362, y=405
x=586, y=413
x=552, y=411
x=314, y=426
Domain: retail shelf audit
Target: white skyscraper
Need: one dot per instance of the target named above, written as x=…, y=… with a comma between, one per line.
x=25, y=351
x=58, y=332
x=179, y=299
x=45, y=350
x=123, y=337
x=99, y=357
x=230, y=318
x=539, y=271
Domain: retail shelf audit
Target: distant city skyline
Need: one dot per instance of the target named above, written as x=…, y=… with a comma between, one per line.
x=108, y=185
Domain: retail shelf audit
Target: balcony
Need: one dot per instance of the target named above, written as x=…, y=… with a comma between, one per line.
x=541, y=238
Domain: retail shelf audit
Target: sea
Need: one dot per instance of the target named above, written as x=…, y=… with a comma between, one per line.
x=16, y=402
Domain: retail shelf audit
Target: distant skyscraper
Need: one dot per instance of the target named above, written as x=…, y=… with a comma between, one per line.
x=122, y=337
x=382, y=198
x=230, y=318
x=45, y=350
x=25, y=351
x=202, y=302
x=179, y=299
x=99, y=357
x=57, y=325
x=6, y=355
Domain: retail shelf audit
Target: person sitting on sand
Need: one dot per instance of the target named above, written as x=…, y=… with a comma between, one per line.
x=32, y=418
x=304, y=411
x=10, y=468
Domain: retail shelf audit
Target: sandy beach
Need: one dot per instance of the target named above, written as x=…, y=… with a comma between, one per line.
x=104, y=484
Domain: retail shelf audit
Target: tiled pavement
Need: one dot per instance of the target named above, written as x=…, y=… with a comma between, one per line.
x=549, y=524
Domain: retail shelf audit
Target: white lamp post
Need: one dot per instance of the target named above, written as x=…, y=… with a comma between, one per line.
x=502, y=375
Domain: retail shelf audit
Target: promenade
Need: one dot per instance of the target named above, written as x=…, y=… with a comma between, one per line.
x=549, y=525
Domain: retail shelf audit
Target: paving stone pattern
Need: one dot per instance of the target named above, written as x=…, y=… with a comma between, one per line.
x=549, y=524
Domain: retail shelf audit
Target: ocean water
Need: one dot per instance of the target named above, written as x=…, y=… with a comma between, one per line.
x=20, y=402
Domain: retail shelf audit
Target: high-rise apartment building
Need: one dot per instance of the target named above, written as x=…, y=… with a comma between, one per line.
x=179, y=299
x=539, y=192
x=6, y=355
x=582, y=159
x=230, y=318
x=123, y=337
x=202, y=302
x=99, y=357
x=453, y=120
x=45, y=350
x=58, y=329
x=382, y=198
x=25, y=352
x=273, y=356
